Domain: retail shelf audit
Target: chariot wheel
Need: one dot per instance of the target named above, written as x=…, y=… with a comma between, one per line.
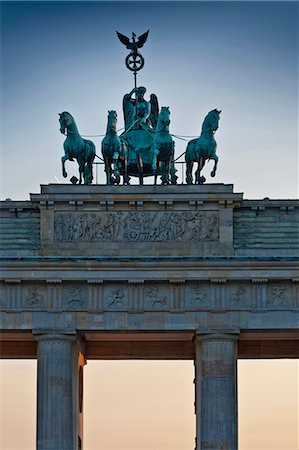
x=134, y=63
x=133, y=235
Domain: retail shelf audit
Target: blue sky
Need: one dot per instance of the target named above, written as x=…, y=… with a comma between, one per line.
x=241, y=57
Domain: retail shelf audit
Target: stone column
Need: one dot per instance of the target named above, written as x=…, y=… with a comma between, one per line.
x=56, y=427
x=216, y=392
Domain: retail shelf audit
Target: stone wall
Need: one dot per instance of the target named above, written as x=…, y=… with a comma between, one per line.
x=209, y=220
x=19, y=228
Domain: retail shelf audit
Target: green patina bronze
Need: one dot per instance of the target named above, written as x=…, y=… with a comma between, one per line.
x=114, y=152
x=202, y=149
x=141, y=150
x=75, y=147
x=145, y=148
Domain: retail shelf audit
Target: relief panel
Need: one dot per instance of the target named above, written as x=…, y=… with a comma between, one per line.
x=279, y=296
x=75, y=297
x=156, y=297
x=238, y=296
x=136, y=226
x=197, y=296
x=115, y=297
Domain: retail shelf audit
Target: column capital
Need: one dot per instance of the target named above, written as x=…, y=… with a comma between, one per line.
x=54, y=334
x=217, y=335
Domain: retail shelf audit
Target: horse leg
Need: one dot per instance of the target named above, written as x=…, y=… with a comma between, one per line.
x=107, y=170
x=88, y=172
x=140, y=169
x=167, y=170
x=156, y=170
x=91, y=170
x=63, y=159
x=90, y=161
x=200, y=179
x=173, y=177
x=126, y=178
x=189, y=167
x=213, y=173
x=81, y=172
x=115, y=167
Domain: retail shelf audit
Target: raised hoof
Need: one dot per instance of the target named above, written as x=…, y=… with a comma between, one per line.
x=64, y=174
x=213, y=173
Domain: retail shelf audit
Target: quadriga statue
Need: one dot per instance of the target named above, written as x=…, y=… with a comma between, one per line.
x=145, y=148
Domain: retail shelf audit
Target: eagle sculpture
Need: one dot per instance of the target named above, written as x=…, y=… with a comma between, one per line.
x=133, y=45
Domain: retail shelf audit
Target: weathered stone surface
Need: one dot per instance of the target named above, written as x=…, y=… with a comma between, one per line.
x=138, y=271
x=216, y=392
x=136, y=226
x=55, y=401
x=19, y=228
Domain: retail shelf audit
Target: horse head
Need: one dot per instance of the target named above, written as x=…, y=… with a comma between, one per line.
x=112, y=120
x=65, y=120
x=163, y=119
x=211, y=121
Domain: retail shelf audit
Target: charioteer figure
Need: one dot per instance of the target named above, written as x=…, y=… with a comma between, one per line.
x=138, y=112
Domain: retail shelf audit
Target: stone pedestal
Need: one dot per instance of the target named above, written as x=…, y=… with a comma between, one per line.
x=216, y=392
x=56, y=423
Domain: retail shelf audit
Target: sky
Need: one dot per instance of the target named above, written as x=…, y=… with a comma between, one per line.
x=148, y=405
x=240, y=57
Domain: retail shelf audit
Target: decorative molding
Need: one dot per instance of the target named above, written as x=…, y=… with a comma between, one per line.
x=136, y=281
x=259, y=280
x=13, y=281
x=54, y=281
x=95, y=281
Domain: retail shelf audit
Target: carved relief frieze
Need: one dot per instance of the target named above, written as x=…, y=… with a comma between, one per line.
x=35, y=297
x=278, y=296
x=136, y=226
x=148, y=296
x=156, y=297
x=238, y=296
x=115, y=298
x=200, y=295
x=196, y=295
x=74, y=297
